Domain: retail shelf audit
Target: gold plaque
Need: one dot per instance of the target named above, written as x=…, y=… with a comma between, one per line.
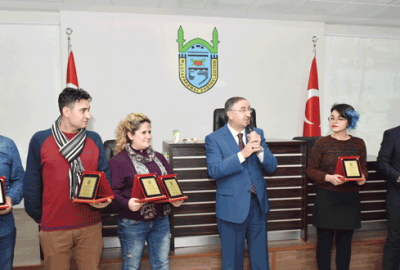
x=2, y=192
x=150, y=186
x=351, y=168
x=88, y=187
x=172, y=187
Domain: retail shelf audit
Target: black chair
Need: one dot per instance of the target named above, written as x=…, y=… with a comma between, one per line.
x=310, y=143
x=109, y=148
x=220, y=118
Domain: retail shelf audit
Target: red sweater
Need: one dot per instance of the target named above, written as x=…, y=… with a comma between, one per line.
x=49, y=167
x=324, y=156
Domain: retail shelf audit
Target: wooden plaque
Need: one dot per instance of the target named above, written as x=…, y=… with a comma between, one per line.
x=94, y=188
x=3, y=200
x=349, y=168
x=146, y=189
x=171, y=188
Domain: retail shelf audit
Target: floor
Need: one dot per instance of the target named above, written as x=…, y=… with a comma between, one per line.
x=284, y=255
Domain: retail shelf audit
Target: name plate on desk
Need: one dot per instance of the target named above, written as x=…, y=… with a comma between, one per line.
x=171, y=187
x=146, y=189
x=349, y=168
x=94, y=188
x=3, y=200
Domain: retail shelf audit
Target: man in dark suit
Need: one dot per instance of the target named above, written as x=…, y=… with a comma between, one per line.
x=234, y=160
x=388, y=162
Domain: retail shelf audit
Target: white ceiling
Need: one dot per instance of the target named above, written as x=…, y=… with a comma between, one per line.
x=354, y=12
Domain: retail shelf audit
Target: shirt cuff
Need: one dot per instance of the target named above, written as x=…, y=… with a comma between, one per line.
x=241, y=157
x=260, y=156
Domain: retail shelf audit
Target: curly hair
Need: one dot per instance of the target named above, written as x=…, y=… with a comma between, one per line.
x=347, y=111
x=131, y=123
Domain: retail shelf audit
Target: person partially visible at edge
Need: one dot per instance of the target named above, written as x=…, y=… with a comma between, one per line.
x=56, y=158
x=10, y=168
x=139, y=222
x=337, y=206
x=235, y=159
x=388, y=162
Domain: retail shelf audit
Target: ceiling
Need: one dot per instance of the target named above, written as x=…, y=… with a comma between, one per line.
x=353, y=12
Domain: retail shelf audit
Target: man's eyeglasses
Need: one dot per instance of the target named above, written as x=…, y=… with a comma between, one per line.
x=244, y=110
x=339, y=119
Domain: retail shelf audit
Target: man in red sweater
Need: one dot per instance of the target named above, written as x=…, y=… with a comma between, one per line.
x=56, y=159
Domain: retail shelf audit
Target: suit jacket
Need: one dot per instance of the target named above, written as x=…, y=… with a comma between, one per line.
x=388, y=162
x=234, y=178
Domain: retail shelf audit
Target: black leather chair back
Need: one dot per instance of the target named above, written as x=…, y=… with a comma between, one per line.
x=310, y=142
x=220, y=118
x=109, y=148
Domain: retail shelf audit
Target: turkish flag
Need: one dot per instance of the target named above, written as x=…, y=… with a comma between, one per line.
x=72, y=79
x=312, y=121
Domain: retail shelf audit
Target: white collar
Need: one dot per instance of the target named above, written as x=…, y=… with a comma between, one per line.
x=235, y=133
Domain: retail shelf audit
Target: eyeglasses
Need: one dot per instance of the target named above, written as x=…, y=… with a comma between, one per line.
x=244, y=110
x=339, y=119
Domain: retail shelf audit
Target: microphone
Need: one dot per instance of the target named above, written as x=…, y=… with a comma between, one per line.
x=249, y=127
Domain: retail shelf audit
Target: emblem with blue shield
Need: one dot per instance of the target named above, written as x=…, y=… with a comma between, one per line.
x=198, y=63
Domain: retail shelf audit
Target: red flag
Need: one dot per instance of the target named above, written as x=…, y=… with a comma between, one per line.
x=312, y=122
x=72, y=79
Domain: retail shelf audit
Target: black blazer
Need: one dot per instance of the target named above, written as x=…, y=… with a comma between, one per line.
x=388, y=162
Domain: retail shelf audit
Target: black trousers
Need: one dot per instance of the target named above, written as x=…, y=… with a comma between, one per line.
x=391, y=250
x=324, y=248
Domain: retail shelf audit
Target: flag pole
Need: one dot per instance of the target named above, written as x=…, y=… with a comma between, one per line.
x=314, y=40
x=72, y=79
x=312, y=121
x=69, y=32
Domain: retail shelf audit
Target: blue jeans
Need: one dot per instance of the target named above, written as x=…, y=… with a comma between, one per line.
x=132, y=235
x=7, y=245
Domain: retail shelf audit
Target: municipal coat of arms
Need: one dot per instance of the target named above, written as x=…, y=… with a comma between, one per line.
x=198, y=62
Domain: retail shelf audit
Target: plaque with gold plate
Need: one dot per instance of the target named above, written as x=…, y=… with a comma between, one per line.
x=3, y=200
x=350, y=168
x=146, y=189
x=94, y=188
x=171, y=188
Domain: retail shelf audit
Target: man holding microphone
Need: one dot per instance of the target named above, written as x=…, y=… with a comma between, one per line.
x=235, y=157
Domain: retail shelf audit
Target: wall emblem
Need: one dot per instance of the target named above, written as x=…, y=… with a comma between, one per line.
x=198, y=62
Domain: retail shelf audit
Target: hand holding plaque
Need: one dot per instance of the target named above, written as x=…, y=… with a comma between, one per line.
x=94, y=188
x=3, y=198
x=350, y=168
x=171, y=188
x=146, y=189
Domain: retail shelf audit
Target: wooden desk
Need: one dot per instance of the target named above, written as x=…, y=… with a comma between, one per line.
x=286, y=189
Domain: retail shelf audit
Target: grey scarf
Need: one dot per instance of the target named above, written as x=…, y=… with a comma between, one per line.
x=71, y=150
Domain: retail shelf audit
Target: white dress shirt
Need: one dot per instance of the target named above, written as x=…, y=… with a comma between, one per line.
x=260, y=155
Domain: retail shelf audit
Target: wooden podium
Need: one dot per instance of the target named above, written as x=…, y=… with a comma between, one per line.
x=3, y=200
x=350, y=168
x=94, y=188
x=146, y=189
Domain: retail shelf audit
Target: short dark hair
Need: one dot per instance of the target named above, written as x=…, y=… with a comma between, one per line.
x=232, y=101
x=342, y=109
x=69, y=96
x=347, y=111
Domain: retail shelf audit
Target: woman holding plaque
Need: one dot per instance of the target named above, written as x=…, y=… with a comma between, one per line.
x=11, y=192
x=337, y=207
x=139, y=222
